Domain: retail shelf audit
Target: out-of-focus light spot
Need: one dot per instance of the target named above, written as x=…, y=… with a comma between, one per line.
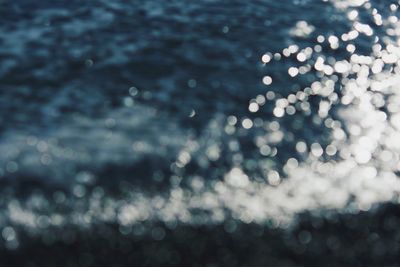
x=274, y=178
x=293, y=71
x=11, y=166
x=352, y=15
x=192, y=83
x=247, y=123
x=133, y=91
x=301, y=57
x=342, y=66
x=267, y=80
x=253, y=107
x=278, y=112
x=232, y=120
x=266, y=58
x=237, y=178
x=316, y=150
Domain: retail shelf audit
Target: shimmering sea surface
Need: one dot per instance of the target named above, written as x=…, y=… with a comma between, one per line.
x=199, y=133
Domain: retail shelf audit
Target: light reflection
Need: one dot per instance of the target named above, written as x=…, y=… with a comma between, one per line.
x=360, y=160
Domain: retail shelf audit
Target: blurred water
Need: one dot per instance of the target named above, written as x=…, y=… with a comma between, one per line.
x=195, y=112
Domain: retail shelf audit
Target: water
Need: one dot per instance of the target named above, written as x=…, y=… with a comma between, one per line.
x=151, y=116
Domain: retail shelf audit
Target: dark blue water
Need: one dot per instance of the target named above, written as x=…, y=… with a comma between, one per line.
x=187, y=64
x=152, y=115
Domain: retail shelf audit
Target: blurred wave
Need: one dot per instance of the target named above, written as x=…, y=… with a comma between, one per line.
x=196, y=113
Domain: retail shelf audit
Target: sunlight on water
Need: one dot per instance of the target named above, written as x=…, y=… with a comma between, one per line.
x=357, y=100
